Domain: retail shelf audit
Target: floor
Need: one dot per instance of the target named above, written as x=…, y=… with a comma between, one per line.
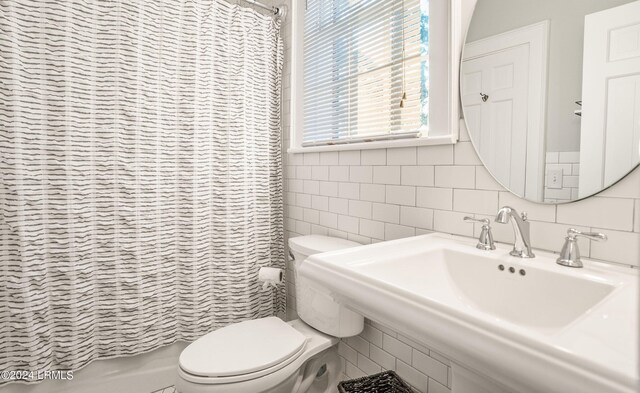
x=168, y=389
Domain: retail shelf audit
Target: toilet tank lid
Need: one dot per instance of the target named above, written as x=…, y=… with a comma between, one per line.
x=314, y=244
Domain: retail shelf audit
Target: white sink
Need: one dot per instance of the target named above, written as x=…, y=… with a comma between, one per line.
x=542, y=327
x=541, y=299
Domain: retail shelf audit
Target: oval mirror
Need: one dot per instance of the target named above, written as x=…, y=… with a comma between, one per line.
x=551, y=94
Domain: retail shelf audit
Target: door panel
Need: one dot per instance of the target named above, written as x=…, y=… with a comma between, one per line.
x=622, y=148
x=610, y=131
x=498, y=125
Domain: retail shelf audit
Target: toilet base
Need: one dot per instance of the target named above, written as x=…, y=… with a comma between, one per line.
x=183, y=386
x=326, y=373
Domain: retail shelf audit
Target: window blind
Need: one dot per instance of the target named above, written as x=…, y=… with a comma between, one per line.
x=366, y=70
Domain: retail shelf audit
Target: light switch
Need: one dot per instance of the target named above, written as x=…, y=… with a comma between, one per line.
x=554, y=178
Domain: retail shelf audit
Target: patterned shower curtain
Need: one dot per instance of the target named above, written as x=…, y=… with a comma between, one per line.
x=141, y=184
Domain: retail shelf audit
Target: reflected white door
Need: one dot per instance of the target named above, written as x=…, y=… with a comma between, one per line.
x=494, y=93
x=610, y=131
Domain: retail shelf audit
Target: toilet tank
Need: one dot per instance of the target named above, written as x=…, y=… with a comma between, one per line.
x=314, y=304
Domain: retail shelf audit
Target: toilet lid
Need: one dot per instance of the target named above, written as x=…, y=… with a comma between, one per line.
x=242, y=348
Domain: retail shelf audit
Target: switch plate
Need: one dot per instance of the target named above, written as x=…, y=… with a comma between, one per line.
x=554, y=178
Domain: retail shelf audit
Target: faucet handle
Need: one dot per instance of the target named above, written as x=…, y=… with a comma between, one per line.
x=574, y=233
x=570, y=253
x=485, y=241
x=484, y=221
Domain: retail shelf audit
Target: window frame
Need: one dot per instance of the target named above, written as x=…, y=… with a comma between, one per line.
x=444, y=100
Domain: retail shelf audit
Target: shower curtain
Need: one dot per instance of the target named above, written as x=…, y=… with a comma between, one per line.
x=141, y=184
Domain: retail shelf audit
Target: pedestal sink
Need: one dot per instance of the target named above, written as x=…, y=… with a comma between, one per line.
x=540, y=299
x=529, y=325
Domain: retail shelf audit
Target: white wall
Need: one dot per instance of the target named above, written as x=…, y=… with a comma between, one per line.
x=376, y=195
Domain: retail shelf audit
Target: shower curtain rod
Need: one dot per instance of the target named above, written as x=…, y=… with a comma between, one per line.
x=277, y=11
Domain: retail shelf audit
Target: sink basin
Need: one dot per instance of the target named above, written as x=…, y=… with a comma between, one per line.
x=540, y=299
x=530, y=324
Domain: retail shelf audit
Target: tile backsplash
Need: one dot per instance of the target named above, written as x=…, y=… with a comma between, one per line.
x=379, y=348
x=374, y=195
x=562, y=174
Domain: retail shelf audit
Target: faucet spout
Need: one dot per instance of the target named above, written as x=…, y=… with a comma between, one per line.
x=522, y=244
x=504, y=215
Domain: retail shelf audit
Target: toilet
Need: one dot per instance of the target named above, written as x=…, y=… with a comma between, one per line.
x=268, y=355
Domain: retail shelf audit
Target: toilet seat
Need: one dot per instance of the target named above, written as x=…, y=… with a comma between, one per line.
x=242, y=351
x=262, y=381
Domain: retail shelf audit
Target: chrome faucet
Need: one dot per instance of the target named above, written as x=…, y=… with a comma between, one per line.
x=570, y=254
x=522, y=245
x=485, y=241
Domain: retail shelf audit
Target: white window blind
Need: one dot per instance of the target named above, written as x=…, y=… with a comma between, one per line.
x=366, y=70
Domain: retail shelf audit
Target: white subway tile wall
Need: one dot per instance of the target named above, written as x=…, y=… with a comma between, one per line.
x=382, y=194
x=567, y=165
x=389, y=201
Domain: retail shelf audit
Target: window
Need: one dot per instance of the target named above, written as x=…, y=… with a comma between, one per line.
x=366, y=70
x=371, y=74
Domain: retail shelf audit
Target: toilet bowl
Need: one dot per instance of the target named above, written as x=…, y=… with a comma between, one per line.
x=268, y=355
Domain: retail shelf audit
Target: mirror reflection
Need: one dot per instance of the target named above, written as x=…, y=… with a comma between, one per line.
x=551, y=94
